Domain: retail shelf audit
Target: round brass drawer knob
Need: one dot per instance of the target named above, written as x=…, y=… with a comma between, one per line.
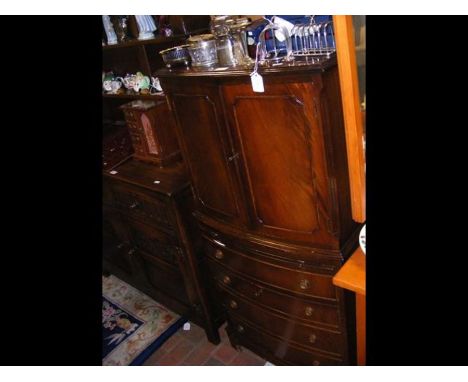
x=240, y=328
x=316, y=363
x=304, y=284
x=226, y=280
x=233, y=304
x=219, y=254
x=308, y=311
x=312, y=338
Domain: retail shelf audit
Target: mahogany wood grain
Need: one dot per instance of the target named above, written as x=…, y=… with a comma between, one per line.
x=310, y=311
x=270, y=177
x=149, y=210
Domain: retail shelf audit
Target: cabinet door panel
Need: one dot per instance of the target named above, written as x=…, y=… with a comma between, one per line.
x=282, y=159
x=207, y=151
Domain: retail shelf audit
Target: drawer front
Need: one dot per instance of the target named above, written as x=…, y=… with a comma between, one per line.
x=306, y=310
x=154, y=242
x=305, y=283
x=290, y=330
x=279, y=348
x=140, y=205
x=107, y=198
x=163, y=278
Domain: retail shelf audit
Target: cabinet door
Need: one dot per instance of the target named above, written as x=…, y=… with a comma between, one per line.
x=207, y=151
x=116, y=245
x=278, y=135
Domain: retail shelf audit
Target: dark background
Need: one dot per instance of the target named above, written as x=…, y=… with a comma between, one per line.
x=51, y=178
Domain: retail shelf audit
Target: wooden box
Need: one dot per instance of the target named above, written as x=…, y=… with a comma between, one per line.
x=151, y=129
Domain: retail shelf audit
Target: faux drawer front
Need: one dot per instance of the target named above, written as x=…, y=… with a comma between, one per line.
x=150, y=209
x=154, y=242
x=279, y=348
x=298, y=308
x=306, y=283
x=289, y=330
x=164, y=278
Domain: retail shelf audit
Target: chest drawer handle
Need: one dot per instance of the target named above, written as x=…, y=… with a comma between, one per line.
x=134, y=205
x=308, y=311
x=258, y=292
x=233, y=304
x=219, y=254
x=131, y=252
x=304, y=284
x=240, y=328
x=316, y=363
x=312, y=338
x=226, y=280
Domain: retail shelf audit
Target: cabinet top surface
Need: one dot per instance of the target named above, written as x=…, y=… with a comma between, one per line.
x=295, y=67
x=168, y=180
x=352, y=274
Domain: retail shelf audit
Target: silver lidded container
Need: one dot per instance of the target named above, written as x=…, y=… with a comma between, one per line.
x=202, y=50
x=231, y=40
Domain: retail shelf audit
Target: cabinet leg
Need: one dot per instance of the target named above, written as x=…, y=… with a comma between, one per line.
x=213, y=336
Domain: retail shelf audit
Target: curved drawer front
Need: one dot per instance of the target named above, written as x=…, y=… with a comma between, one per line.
x=305, y=283
x=290, y=330
x=138, y=205
x=277, y=347
x=297, y=308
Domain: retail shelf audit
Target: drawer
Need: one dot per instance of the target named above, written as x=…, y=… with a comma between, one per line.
x=282, y=277
x=154, y=242
x=107, y=197
x=163, y=278
x=141, y=205
x=248, y=334
x=290, y=330
x=303, y=309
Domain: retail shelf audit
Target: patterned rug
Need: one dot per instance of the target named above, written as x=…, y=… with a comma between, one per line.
x=134, y=325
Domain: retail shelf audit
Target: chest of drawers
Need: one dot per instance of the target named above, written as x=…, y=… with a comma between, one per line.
x=151, y=241
x=269, y=175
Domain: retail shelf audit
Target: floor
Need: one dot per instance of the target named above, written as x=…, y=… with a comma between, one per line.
x=191, y=348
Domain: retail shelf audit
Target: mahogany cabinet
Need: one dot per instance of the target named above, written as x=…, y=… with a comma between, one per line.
x=270, y=179
x=151, y=240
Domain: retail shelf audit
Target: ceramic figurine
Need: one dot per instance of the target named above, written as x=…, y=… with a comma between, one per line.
x=146, y=27
x=142, y=83
x=155, y=85
x=115, y=86
x=128, y=81
x=106, y=81
x=109, y=29
x=121, y=27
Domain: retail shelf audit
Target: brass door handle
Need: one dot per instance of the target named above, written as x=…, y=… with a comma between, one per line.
x=308, y=311
x=219, y=254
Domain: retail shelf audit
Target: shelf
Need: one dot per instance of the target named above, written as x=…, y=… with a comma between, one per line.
x=135, y=96
x=153, y=41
